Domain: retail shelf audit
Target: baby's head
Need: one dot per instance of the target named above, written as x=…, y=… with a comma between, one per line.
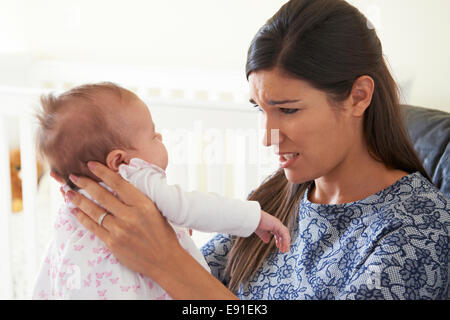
x=96, y=122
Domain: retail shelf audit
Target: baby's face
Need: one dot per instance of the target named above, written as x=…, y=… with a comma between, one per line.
x=147, y=141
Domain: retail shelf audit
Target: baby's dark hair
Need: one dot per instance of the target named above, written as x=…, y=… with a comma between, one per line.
x=83, y=124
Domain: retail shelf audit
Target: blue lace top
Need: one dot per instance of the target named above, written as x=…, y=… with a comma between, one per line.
x=392, y=245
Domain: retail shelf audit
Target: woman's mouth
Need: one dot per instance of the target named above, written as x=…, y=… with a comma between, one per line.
x=288, y=158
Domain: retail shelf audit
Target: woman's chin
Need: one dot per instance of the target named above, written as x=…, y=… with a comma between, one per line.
x=296, y=177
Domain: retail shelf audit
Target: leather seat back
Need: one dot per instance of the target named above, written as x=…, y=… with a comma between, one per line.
x=429, y=131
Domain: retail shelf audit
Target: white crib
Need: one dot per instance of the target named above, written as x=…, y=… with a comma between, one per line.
x=212, y=135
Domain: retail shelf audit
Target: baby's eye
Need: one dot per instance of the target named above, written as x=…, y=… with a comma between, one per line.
x=288, y=111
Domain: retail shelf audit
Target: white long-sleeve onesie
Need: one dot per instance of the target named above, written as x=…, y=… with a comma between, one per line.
x=207, y=212
x=78, y=265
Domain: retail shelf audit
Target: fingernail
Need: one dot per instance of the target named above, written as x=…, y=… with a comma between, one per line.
x=70, y=194
x=91, y=165
x=74, y=178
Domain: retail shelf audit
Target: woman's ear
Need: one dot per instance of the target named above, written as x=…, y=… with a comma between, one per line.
x=115, y=158
x=361, y=95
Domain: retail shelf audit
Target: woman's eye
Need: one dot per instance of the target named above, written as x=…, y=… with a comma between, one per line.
x=288, y=111
x=257, y=107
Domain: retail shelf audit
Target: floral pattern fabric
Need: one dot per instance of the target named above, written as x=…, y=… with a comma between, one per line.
x=392, y=245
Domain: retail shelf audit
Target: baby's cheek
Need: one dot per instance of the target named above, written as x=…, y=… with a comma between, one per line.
x=165, y=160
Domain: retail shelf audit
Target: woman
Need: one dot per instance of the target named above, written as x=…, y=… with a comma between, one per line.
x=365, y=220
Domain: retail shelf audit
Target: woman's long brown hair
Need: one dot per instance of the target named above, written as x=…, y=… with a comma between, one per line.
x=329, y=44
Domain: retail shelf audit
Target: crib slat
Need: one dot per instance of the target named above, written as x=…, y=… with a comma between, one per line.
x=192, y=177
x=6, y=285
x=239, y=168
x=216, y=178
x=29, y=191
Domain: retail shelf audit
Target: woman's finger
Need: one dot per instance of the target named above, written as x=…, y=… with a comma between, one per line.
x=89, y=208
x=125, y=190
x=57, y=177
x=100, y=194
x=92, y=226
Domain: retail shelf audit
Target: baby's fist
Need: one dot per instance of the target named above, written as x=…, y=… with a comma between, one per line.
x=269, y=225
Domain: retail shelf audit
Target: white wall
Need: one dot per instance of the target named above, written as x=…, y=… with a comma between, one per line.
x=197, y=33
x=210, y=34
x=416, y=40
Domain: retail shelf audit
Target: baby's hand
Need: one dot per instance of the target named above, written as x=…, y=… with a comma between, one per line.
x=269, y=225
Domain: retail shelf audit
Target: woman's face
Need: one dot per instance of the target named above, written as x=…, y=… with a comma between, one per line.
x=313, y=138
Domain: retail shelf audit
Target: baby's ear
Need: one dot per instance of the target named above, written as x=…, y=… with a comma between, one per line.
x=115, y=158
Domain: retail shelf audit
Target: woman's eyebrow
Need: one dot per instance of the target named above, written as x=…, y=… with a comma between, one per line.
x=274, y=102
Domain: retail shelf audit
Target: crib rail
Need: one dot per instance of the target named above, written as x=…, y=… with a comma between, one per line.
x=15, y=102
x=6, y=286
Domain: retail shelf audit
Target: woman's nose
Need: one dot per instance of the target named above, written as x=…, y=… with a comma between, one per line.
x=271, y=137
x=272, y=133
x=159, y=136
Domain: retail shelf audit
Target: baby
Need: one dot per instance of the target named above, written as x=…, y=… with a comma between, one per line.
x=107, y=123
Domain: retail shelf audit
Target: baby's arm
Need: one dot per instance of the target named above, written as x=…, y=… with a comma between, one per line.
x=207, y=212
x=210, y=212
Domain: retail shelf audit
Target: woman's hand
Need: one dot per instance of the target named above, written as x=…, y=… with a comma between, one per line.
x=140, y=237
x=133, y=222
